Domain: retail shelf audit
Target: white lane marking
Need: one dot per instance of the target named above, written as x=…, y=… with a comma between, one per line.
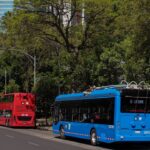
x=10, y=136
x=34, y=144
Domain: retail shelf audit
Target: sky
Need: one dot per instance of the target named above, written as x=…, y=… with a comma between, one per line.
x=5, y=6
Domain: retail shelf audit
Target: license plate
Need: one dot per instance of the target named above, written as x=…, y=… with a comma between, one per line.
x=137, y=132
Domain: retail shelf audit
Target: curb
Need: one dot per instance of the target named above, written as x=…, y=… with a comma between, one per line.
x=45, y=128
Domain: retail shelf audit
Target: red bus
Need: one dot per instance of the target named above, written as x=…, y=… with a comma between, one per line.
x=17, y=110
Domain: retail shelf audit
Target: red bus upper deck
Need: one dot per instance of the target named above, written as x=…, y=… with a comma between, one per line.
x=17, y=110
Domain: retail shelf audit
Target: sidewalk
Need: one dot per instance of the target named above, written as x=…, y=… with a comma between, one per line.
x=46, y=128
x=41, y=125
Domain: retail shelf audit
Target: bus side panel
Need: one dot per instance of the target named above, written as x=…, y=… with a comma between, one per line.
x=73, y=129
x=2, y=120
x=105, y=133
x=78, y=129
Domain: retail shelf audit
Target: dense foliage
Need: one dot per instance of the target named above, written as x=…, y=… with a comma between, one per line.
x=100, y=43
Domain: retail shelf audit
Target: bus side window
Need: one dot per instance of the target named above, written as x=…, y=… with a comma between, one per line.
x=61, y=117
x=84, y=116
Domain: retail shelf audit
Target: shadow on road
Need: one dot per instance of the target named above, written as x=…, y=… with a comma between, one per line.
x=128, y=146
x=115, y=146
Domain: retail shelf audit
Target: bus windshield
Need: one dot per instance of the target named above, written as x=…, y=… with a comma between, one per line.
x=135, y=102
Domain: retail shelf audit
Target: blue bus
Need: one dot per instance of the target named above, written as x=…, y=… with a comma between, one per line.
x=109, y=114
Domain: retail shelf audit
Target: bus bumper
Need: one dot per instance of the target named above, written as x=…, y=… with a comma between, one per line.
x=133, y=138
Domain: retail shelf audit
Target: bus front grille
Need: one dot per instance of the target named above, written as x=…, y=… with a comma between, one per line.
x=24, y=118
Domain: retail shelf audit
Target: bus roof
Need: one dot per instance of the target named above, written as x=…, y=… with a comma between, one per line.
x=95, y=94
x=104, y=92
x=16, y=93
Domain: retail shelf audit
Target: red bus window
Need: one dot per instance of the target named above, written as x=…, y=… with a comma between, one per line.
x=25, y=97
x=7, y=98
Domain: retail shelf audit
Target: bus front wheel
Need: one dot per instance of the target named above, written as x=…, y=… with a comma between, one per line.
x=62, y=132
x=93, y=137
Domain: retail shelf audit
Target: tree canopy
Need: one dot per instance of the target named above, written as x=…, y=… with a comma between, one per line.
x=77, y=44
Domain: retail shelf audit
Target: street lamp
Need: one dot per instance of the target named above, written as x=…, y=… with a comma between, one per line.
x=5, y=81
x=32, y=58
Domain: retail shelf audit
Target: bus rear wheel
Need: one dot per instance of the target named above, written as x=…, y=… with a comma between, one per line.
x=62, y=132
x=93, y=137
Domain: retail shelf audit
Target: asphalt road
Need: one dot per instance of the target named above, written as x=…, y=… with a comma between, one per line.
x=18, y=140
x=30, y=139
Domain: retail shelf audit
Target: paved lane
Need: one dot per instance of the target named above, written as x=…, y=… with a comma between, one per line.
x=18, y=141
x=30, y=139
x=26, y=139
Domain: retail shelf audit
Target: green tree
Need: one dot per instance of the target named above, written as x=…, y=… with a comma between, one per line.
x=46, y=90
x=109, y=69
x=107, y=43
x=133, y=23
x=12, y=86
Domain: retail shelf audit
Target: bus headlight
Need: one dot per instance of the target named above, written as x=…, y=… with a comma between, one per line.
x=121, y=137
x=136, y=118
x=27, y=103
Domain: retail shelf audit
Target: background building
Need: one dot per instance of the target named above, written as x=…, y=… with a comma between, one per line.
x=79, y=16
x=5, y=6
